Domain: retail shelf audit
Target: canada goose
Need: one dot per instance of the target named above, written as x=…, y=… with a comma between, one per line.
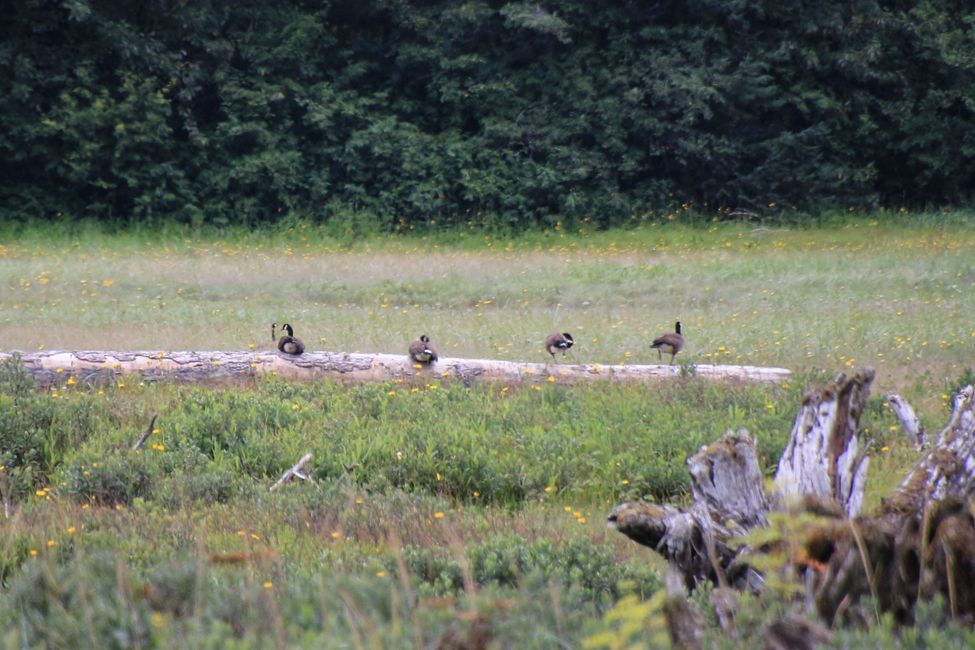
x=671, y=342
x=556, y=342
x=289, y=343
x=422, y=351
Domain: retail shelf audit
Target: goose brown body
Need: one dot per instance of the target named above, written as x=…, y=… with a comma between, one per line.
x=558, y=342
x=671, y=342
x=422, y=351
x=289, y=343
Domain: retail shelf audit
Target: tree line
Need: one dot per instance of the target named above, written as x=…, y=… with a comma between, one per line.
x=382, y=115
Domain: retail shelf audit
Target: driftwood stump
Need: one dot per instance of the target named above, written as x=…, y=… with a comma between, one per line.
x=921, y=542
x=824, y=456
x=726, y=483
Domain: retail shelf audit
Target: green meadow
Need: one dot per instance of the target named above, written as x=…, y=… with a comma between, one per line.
x=437, y=516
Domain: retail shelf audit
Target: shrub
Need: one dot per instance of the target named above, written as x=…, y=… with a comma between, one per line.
x=116, y=479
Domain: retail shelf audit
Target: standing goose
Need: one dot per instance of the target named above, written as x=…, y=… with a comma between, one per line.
x=671, y=342
x=289, y=343
x=558, y=342
x=422, y=351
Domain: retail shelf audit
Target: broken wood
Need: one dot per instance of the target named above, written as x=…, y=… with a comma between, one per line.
x=728, y=494
x=295, y=470
x=696, y=540
x=905, y=415
x=51, y=367
x=824, y=456
x=5, y=489
x=145, y=436
x=920, y=543
x=684, y=623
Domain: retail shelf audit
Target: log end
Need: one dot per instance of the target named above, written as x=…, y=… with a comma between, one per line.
x=642, y=522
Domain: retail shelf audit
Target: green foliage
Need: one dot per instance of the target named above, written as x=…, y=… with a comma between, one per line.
x=100, y=600
x=113, y=481
x=396, y=116
x=509, y=561
x=86, y=604
x=488, y=445
x=633, y=624
x=933, y=628
x=36, y=430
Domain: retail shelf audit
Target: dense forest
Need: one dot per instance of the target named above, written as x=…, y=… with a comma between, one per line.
x=389, y=114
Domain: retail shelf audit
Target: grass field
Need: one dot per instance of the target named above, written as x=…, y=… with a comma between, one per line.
x=438, y=515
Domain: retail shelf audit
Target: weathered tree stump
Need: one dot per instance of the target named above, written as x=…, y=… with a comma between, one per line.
x=50, y=367
x=824, y=457
x=920, y=543
x=726, y=483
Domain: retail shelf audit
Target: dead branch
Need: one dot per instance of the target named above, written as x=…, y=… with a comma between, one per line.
x=145, y=436
x=728, y=488
x=5, y=489
x=905, y=415
x=295, y=471
x=920, y=544
x=948, y=469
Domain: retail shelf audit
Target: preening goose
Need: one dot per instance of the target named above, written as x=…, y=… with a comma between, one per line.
x=422, y=351
x=672, y=342
x=558, y=342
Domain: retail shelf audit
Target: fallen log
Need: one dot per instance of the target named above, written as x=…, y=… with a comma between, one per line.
x=920, y=543
x=52, y=367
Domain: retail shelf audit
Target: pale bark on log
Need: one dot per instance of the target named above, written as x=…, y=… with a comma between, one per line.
x=948, y=470
x=52, y=367
x=728, y=478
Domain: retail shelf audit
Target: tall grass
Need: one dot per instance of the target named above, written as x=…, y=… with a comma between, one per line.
x=892, y=295
x=437, y=514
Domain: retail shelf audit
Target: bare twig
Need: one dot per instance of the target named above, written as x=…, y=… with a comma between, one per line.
x=145, y=436
x=5, y=489
x=293, y=472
